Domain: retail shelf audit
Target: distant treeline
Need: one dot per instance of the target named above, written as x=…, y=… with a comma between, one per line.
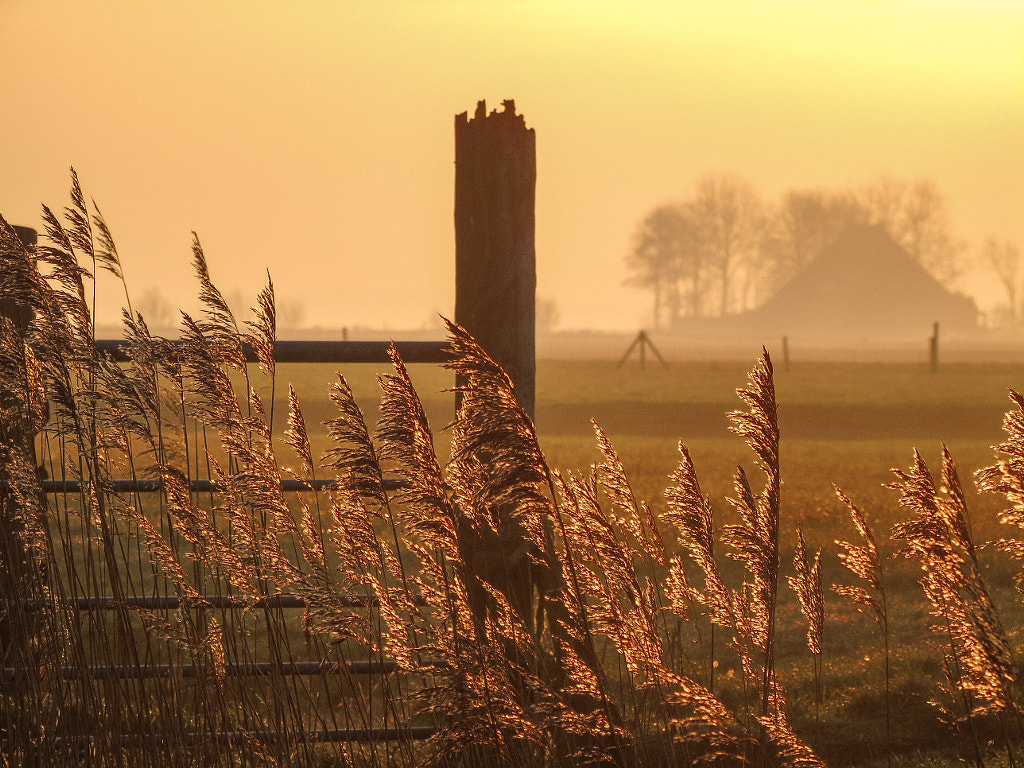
x=725, y=249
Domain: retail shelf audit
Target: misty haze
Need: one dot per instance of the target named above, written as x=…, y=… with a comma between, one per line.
x=353, y=413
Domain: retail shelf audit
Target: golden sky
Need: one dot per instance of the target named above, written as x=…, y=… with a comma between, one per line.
x=315, y=139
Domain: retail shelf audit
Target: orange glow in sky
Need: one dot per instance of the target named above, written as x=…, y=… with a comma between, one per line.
x=315, y=139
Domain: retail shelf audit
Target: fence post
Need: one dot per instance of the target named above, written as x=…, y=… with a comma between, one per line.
x=933, y=349
x=495, y=255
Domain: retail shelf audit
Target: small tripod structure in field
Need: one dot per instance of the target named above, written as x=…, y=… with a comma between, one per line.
x=643, y=342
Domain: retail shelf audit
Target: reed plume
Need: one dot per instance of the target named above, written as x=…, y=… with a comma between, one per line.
x=1006, y=477
x=806, y=583
x=472, y=529
x=755, y=542
x=709, y=729
x=977, y=657
x=864, y=562
x=691, y=517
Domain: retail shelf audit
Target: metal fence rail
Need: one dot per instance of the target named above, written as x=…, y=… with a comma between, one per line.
x=237, y=738
x=253, y=669
x=216, y=602
x=321, y=351
x=198, y=486
x=373, y=352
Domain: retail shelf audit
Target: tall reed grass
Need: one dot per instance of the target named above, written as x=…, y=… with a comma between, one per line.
x=489, y=611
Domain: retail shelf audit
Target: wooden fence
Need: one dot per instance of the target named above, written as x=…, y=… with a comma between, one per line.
x=495, y=286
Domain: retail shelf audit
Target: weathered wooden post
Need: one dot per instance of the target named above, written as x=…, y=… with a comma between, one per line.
x=495, y=255
x=933, y=349
x=495, y=284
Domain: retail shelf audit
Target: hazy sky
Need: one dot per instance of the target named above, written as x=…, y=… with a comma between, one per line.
x=315, y=139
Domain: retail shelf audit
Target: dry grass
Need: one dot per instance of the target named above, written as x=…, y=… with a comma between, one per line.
x=517, y=614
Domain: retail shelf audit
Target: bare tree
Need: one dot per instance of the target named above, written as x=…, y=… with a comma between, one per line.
x=800, y=228
x=882, y=201
x=917, y=218
x=1004, y=259
x=548, y=315
x=725, y=240
x=239, y=303
x=926, y=233
x=728, y=221
x=692, y=267
x=155, y=309
x=291, y=313
x=655, y=257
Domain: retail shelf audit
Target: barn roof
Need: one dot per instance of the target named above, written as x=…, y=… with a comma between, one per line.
x=863, y=286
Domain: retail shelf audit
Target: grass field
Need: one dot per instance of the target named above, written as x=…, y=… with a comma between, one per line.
x=846, y=424
x=841, y=423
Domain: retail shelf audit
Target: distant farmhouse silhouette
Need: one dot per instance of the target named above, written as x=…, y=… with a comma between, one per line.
x=862, y=287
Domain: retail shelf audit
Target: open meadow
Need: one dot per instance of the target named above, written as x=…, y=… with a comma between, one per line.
x=865, y=696
x=841, y=423
x=845, y=424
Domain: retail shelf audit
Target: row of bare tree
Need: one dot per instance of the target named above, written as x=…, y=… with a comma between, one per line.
x=726, y=250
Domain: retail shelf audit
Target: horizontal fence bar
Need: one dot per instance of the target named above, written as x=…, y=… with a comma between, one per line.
x=322, y=351
x=284, y=352
x=172, y=602
x=255, y=669
x=234, y=738
x=200, y=486
x=339, y=735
